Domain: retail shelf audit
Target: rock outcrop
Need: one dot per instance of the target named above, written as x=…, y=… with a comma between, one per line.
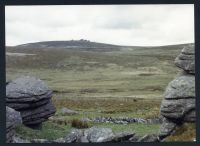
x=32, y=98
x=13, y=119
x=178, y=105
x=186, y=60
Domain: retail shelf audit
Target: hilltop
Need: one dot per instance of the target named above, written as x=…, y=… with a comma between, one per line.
x=69, y=44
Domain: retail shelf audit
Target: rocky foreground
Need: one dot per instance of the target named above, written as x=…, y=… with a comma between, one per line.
x=94, y=135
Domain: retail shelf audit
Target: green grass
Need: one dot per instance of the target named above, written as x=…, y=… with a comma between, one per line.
x=138, y=128
x=50, y=131
x=140, y=73
x=110, y=84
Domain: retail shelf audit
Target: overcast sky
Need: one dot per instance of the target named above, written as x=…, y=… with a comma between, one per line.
x=136, y=25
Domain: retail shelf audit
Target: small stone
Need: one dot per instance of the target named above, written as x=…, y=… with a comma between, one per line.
x=66, y=111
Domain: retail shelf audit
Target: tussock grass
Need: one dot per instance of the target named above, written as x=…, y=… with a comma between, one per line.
x=186, y=132
x=76, y=123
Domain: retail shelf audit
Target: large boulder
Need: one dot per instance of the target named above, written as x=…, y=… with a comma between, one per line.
x=32, y=98
x=186, y=60
x=26, y=92
x=179, y=99
x=13, y=119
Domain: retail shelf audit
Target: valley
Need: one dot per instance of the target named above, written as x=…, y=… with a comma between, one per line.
x=123, y=82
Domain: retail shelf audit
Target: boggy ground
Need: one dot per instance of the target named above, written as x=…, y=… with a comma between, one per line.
x=125, y=83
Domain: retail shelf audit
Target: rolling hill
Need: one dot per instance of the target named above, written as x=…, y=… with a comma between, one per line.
x=70, y=44
x=96, y=72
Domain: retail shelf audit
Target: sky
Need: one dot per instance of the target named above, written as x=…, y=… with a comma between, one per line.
x=130, y=25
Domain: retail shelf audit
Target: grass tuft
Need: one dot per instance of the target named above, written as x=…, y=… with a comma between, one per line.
x=76, y=123
x=186, y=132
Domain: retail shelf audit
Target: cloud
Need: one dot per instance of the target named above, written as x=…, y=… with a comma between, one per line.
x=116, y=24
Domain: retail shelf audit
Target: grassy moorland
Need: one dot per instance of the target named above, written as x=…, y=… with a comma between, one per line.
x=129, y=82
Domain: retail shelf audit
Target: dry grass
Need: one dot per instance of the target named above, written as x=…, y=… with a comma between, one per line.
x=187, y=132
x=143, y=107
x=76, y=123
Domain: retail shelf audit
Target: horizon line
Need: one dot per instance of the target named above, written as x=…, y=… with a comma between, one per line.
x=180, y=43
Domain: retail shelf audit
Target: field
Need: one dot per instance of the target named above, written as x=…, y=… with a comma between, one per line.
x=124, y=83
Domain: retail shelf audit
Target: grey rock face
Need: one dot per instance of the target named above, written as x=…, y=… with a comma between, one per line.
x=20, y=140
x=122, y=137
x=40, y=141
x=166, y=128
x=135, y=138
x=32, y=98
x=13, y=119
x=179, y=98
x=177, y=109
x=178, y=105
x=95, y=134
x=38, y=115
x=92, y=135
x=27, y=86
x=59, y=140
x=181, y=87
x=190, y=116
x=74, y=136
x=27, y=91
x=149, y=138
x=83, y=139
x=22, y=106
x=186, y=60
